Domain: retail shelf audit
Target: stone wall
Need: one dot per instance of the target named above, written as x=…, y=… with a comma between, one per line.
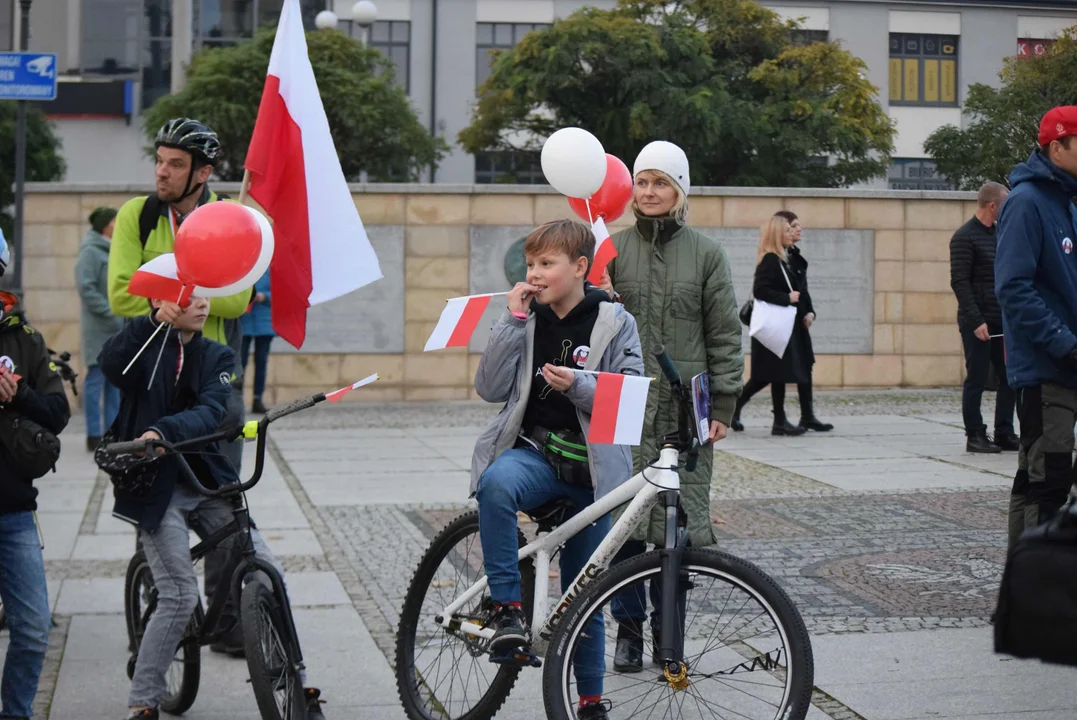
x=879, y=276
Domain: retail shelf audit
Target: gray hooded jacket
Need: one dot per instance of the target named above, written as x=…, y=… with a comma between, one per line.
x=504, y=375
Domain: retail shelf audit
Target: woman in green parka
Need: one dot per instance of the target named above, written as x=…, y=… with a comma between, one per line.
x=676, y=283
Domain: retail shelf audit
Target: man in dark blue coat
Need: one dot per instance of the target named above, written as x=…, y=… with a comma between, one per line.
x=1036, y=285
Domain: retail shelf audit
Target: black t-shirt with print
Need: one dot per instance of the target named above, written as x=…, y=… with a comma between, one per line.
x=559, y=341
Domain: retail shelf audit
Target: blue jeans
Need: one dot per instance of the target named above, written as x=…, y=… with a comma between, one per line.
x=261, y=359
x=521, y=479
x=96, y=389
x=26, y=603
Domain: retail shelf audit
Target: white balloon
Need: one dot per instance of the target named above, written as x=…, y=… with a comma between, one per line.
x=574, y=162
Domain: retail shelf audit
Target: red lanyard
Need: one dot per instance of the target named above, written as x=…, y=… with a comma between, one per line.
x=179, y=363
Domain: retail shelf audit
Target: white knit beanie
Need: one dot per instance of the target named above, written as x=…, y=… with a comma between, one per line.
x=668, y=158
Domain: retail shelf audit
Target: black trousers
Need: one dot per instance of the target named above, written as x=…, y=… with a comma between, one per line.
x=979, y=356
x=777, y=399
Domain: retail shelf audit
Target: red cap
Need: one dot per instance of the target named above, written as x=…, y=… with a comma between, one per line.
x=1058, y=123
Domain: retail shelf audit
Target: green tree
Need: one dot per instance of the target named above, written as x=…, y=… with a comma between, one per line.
x=721, y=78
x=372, y=121
x=1003, y=122
x=43, y=159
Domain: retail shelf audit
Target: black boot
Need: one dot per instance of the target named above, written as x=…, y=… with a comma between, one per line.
x=808, y=421
x=813, y=423
x=231, y=643
x=1007, y=440
x=979, y=443
x=628, y=657
x=736, y=424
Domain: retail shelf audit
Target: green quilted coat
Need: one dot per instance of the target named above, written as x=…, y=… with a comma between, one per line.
x=676, y=283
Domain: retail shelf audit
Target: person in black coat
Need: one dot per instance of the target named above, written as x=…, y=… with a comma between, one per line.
x=972, y=276
x=778, y=284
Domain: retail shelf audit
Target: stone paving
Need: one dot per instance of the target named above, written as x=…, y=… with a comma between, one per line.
x=885, y=534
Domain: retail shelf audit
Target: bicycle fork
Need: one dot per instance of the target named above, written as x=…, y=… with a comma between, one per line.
x=671, y=634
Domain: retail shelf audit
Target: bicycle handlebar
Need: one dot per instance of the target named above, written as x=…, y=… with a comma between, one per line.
x=666, y=363
x=176, y=449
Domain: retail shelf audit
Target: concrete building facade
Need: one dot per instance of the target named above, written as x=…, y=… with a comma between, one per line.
x=119, y=55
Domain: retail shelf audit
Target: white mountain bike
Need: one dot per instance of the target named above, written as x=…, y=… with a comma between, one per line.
x=743, y=653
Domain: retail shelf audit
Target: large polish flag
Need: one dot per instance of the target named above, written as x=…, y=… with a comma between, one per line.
x=322, y=249
x=618, y=409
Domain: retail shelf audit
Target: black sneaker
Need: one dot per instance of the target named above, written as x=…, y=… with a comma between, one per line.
x=1008, y=441
x=980, y=444
x=231, y=643
x=145, y=714
x=595, y=711
x=510, y=628
x=628, y=657
x=92, y=442
x=258, y=406
x=314, y=703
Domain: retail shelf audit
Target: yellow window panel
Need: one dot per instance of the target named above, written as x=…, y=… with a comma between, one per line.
x=948, y=86
x=931, y=81
x=912, y=80
x=895, y=79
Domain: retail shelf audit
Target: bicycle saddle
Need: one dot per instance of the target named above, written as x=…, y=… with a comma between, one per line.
x=552, y=514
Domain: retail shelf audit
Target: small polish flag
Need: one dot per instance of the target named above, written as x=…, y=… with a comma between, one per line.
x=337, y=395
x=618, y=410
x=604, y=251
x=157, y=280
x=458, y=321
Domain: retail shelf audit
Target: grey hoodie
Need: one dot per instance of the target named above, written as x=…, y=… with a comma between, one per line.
x=504, y=375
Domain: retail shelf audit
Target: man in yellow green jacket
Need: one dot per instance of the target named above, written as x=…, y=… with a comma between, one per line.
x=186, y=153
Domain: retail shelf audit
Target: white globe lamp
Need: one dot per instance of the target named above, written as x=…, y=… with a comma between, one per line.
x=325, y=20
x=364, y=13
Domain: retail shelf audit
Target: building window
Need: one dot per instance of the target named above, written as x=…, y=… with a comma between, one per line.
x=157, y=52
x=393, y=39
x=810, y=37
x=110, y=36
x=923, y=69
x=916, y=174
x=222, y=22
x=508, y=166
x=1032, y=48
x=497, y=36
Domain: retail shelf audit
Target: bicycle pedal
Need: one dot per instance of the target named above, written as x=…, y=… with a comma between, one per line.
x=519, y=657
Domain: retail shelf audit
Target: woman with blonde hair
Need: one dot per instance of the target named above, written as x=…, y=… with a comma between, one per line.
x=676, y=282
x=777, y=284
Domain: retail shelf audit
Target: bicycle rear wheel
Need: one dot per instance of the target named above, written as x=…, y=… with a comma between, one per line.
x=746, y=649
x=139, y=604
x=271, y=657
x=444, y=674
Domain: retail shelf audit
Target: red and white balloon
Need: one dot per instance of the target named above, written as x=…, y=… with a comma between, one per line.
x=222, y=248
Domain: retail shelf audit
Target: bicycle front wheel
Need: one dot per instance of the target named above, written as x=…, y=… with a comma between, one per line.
x=139, y=604
x=270, y=655
x=746, y=649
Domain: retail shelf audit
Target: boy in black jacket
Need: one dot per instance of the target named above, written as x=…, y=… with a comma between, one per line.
x=30, y=388
x=186, y=400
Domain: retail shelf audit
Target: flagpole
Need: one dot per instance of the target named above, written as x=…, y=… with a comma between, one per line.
x=245, y=187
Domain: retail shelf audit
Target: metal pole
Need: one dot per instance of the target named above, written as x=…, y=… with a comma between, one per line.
x=20, y=157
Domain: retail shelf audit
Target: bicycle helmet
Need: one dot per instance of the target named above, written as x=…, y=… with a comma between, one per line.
x=5, y=254
x=191, y=136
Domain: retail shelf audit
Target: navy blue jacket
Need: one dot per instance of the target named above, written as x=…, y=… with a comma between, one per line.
x=193, y=406
x=1036, y=273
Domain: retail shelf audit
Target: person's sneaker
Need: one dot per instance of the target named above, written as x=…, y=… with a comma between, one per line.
x=258, y=406
x=980, y=444
x=144, y=714
x=813, y=423
x=787, y=428
x=510, y=628
x=314, y=703
x=595, y=711
x=92, y=442
x=1008, y=441
x=628, y=657
x=736, y=424
x=231, y=643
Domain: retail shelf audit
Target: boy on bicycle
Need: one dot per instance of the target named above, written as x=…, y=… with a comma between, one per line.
x=186, y=399
x=535, y=450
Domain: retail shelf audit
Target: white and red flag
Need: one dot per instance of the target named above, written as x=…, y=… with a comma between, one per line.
x=322, y=249
x=618, y=409
x=604, y=251
x=338, y=395
x=458, y=321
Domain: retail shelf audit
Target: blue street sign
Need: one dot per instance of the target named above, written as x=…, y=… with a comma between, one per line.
x=27, y=76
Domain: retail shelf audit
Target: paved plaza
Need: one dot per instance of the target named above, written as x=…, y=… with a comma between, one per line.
x=885, y=533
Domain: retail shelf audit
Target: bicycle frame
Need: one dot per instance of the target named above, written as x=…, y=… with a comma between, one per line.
x=642, y=492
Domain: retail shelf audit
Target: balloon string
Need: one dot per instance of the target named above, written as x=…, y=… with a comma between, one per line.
x=590, y=218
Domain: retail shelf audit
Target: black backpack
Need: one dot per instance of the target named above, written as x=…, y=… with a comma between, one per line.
x=1037, y=605
x=151, y=213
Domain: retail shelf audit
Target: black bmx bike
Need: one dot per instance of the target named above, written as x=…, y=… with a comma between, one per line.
x=270, y=641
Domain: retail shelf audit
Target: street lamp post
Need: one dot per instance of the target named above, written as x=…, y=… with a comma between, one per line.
x=20, y=156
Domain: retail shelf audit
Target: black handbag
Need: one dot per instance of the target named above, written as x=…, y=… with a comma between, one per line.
x=1036, y=615
x=31, y=450
x=129, y=472
x=746, y=311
